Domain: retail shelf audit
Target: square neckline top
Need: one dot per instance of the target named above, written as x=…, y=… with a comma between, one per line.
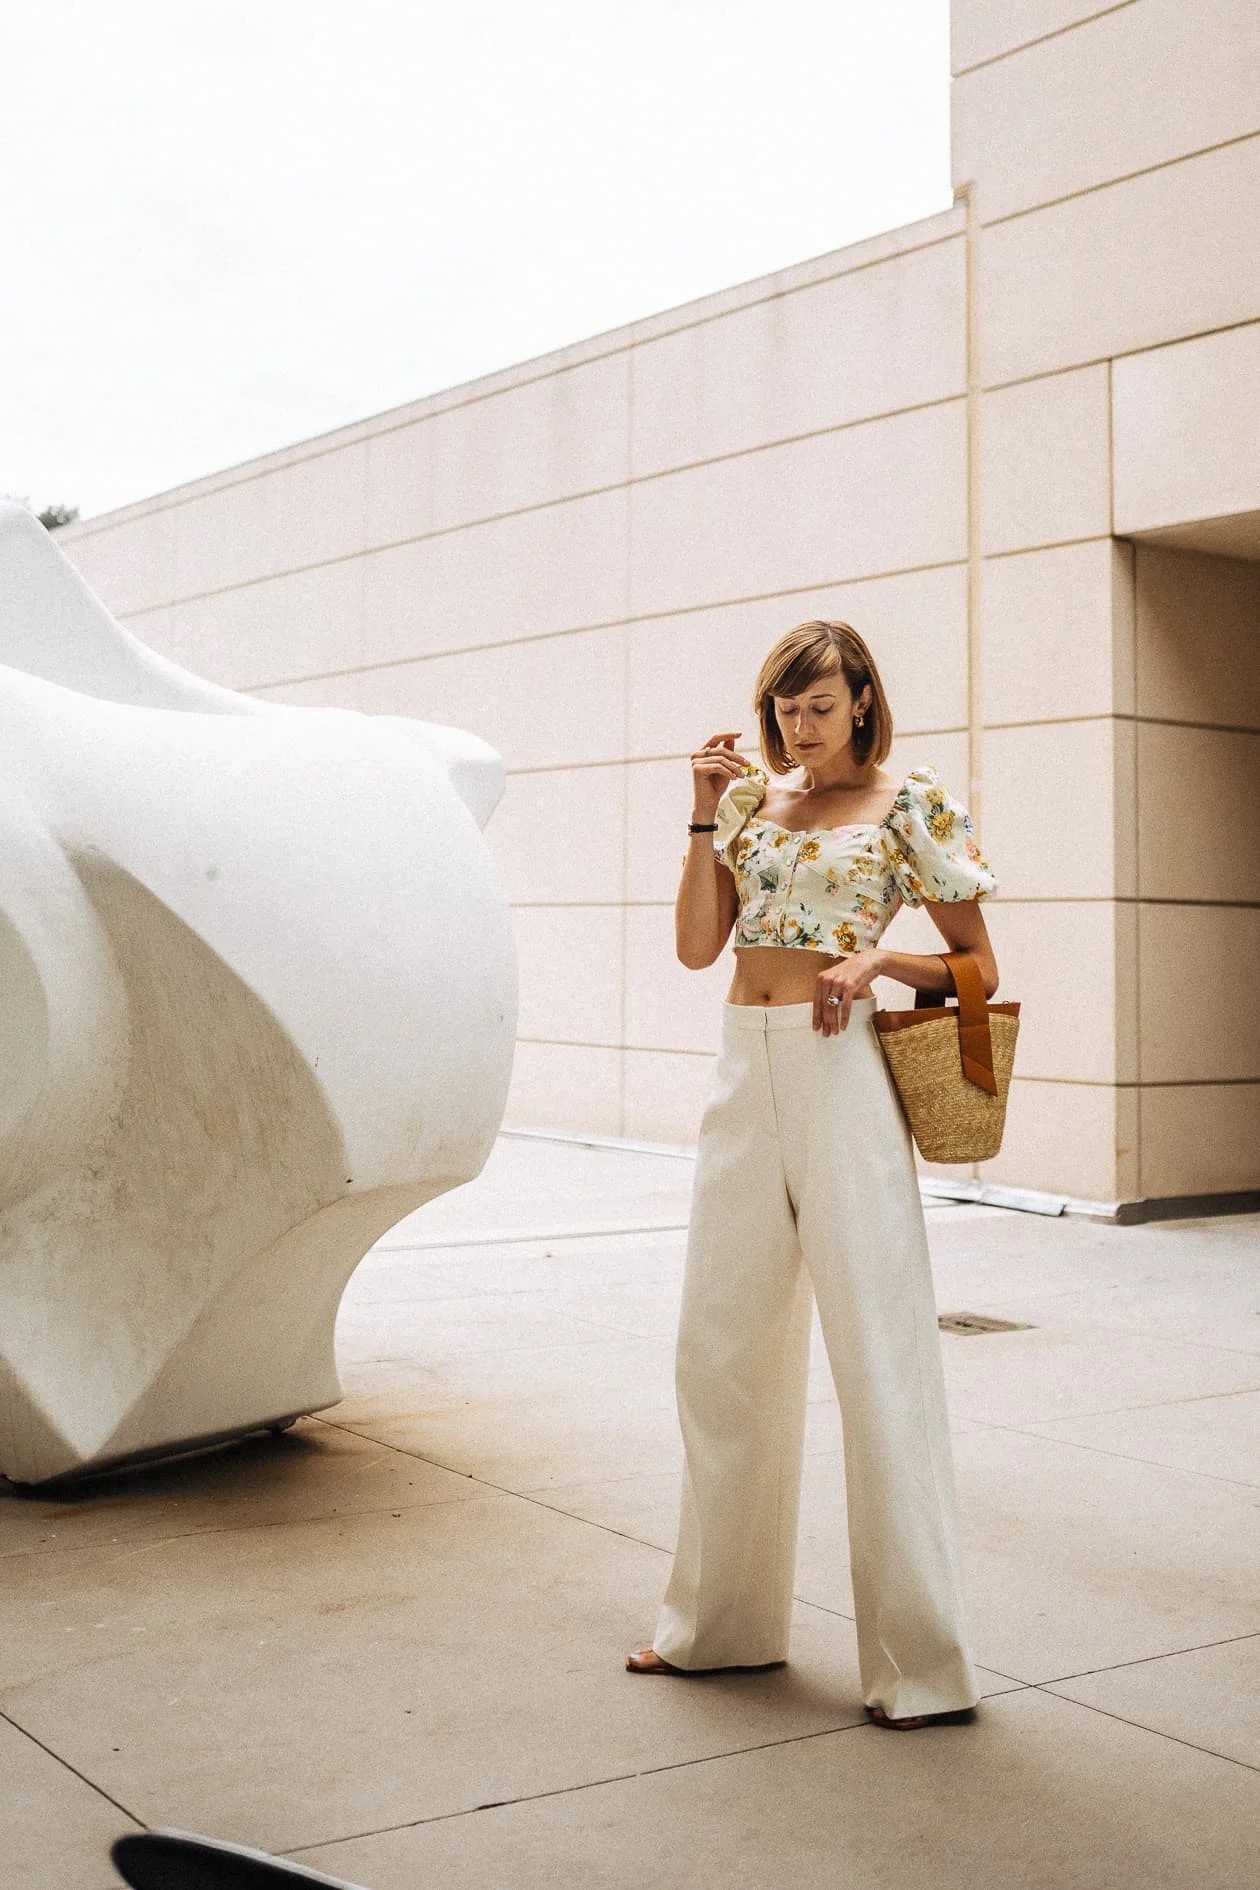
x=818, y=889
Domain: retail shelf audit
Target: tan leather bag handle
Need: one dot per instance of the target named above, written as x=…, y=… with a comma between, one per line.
x=975, y=1040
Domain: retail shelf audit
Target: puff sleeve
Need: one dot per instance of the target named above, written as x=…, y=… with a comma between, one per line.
x=741, y=799
x=932, y=846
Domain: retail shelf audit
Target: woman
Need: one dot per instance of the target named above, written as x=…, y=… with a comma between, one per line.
x=806, y=1177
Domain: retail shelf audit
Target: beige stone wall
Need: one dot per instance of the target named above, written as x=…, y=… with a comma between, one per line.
x=1115, y=180
x=584, y=561
x=1002, y=441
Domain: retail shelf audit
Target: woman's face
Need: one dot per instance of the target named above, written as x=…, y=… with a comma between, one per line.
x=817, y=725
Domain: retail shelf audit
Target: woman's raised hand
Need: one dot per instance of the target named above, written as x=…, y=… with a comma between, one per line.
x=713, y=768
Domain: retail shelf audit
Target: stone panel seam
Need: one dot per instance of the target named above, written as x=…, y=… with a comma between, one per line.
x=1049, y=544
x=1111, y=448
x=640, y=1049
x=1134, y=967
x=640, y=761
x=588, y=905
x=1122, y=899
x=975, y=379
x=1004, y=900
x=1019, y=899
x=1121, y=354
x=627, y=603
x=995, y=59
x=1148, y=1085
x=1139, y=1125
x=1127, y=715
x=585, y=629
x=177, y=497
x=1125, y=177
x=553, y=504
x=1138, y=1086
x=1060, y=1082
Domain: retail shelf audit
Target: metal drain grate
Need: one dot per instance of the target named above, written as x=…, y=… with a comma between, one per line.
x=966, y=1322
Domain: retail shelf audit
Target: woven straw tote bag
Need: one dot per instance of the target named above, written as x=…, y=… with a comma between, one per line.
x=952, y=1067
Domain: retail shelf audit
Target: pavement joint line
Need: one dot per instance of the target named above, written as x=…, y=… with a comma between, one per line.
x=402, y=1451
x=1017, y=1681
x=81, y=1776
x=1156, y=1732
x=1171, y=1653
x=125, y=1546
x=1160, y=1404
x=493, y=1239
x=1016, y=1303
x=500, y=1489
x=623, y=1535
x=527, y=1496
x=535, y=1497
x=1122, y=1456
x=457, y=1297
x=582, y=1785
x=517, y=1351
x=1112, y=1331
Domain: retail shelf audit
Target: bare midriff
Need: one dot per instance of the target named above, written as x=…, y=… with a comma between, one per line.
x=779, y=974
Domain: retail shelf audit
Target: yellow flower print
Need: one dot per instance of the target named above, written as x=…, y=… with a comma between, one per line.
x=780, y=839
x=941, y=824
x=846, y=938
x=791, y=930
x=810, y=850
x=745, y=847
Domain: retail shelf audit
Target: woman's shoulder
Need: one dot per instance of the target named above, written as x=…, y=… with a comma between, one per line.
x=918, y=782
x=931, y=842
x=741, y=799
x=747, y=790
x=921, y=796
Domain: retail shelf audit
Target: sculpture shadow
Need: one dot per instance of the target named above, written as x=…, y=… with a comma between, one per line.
x=172, y=1860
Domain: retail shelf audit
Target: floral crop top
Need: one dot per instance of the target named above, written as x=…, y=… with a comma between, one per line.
x=835, y=889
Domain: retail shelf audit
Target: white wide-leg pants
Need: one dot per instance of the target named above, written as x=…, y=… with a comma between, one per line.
x=806, y=1177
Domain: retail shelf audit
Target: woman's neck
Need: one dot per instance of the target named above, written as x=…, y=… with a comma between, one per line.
x=841, y=772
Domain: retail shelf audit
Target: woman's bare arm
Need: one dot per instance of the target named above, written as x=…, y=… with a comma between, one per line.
x=704, y=910
x=962, y=927
x=961, y=924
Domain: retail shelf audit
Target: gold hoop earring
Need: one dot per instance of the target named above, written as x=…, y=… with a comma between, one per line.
x=858, y=719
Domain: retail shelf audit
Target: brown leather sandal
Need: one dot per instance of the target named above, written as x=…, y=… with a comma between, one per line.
x=962, y=1716
x=647, y=1660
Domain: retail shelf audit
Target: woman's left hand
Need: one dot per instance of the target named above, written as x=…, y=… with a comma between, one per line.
x=837, y=987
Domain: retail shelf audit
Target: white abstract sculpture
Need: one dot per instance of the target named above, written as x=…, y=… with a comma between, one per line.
x=257, y=1002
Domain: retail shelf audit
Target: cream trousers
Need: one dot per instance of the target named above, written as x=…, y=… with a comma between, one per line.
x=806, y=1178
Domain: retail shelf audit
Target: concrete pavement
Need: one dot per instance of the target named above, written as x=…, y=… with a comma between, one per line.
x=390, y=1642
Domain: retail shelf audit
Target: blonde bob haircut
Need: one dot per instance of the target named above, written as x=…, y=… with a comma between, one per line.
x=801, y=658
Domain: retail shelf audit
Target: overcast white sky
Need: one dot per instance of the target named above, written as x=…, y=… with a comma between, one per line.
x=230, y=226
